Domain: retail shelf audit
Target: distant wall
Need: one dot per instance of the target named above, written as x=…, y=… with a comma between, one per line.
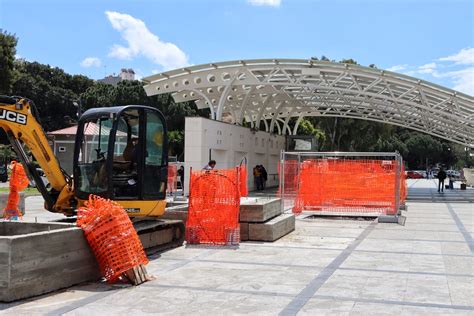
x=469, y=175
x=228, y=144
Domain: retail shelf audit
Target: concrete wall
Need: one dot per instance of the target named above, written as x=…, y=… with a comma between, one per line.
x=228, y=144
x=40, y=258
x=469, y=175
x=65, y=156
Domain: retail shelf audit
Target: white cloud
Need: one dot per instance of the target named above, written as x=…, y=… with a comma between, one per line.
x=397, y=68
x=455, y=71
x=271, y=3
x=464, y=57
x=463, y=79
x=91, y=62
x=427, y=68
x=142, y=42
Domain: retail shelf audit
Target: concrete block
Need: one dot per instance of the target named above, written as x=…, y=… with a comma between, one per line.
x=4, y=199
x=259, y=210
x=397, y=219
x=272, y=229
x=40, y=258
x=244, y=231
x=178, y=212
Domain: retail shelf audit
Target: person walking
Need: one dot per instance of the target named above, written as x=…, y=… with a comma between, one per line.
x=441, y=177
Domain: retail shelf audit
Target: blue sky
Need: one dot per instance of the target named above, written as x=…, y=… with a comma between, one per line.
x=428, y=39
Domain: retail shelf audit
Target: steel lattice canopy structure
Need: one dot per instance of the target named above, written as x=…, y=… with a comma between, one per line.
x=271, y=91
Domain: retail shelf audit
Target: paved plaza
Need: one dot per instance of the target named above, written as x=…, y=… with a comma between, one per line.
x=326, y=266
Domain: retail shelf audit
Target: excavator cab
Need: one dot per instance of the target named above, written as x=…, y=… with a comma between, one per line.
x=121, y=154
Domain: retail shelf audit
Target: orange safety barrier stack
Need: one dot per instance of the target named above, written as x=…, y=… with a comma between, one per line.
x=243, y=180
x=18, y=182
x=172, y=178
x=214, y=204
x=347, y=186
x=111, y=236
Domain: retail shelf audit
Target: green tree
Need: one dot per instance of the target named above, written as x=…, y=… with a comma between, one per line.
x=8, y=44
x=175, y=143
x=306, y=128
x=6, y=153
x=422, y=147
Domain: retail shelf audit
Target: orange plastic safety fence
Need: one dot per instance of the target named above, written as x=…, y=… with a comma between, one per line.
x=289, y=177
x=18, y=182
x=403, y=186
x=243, y=180
x=172, y=177
x=111, y=236
x=214, y=204
x=347, y=186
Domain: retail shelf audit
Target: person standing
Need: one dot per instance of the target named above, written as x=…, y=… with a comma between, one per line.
x=181, y=176
x=441, y=177
x=210, y=165
x=264, y=173
x=257, y=177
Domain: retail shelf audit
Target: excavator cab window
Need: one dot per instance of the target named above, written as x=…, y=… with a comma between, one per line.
x=122, y=154
x=93, y=156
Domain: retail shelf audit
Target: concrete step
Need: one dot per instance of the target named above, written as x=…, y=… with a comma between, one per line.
x=270, y=230
x=244, y=231
x=259, y=210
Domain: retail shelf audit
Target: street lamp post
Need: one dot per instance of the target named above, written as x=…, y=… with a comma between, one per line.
x=466, y=150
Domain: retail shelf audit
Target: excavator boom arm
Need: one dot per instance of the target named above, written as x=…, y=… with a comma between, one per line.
x=18, y=119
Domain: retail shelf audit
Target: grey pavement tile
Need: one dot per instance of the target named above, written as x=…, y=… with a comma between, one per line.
x=242, y=277
x=461, y=265
x=378, y=261
x=424, y=263
x=450, y=248
x=461, y=290
x=392, y=287
x=428, y=289
x=59, y=300
x=257, y=254
x=319, y=306
x=364, y=308
x=343, y=285
x=428, y=311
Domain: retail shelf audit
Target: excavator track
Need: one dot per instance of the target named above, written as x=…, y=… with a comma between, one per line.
x=158, y=235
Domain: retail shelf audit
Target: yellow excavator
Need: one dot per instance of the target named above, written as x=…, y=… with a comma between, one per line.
x=120, y=154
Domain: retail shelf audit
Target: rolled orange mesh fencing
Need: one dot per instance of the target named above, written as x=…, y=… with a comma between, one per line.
x=214, y=204
x=111, y=236
x=348, y=186
x=172, y=177
x=243, y=180
x=18, y=182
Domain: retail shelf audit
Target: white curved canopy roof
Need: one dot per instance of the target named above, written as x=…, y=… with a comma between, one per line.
x=272, y=91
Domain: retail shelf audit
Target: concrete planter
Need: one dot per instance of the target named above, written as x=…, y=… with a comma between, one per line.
x=39, y=258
